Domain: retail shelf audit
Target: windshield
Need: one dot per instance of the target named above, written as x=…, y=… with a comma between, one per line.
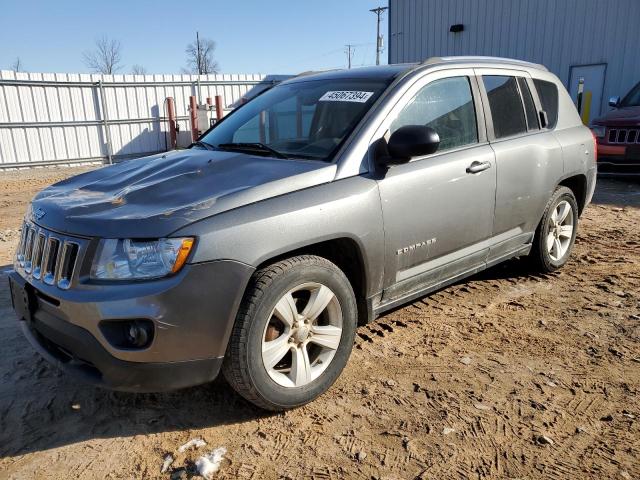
x=308, y=119
x=632, y=99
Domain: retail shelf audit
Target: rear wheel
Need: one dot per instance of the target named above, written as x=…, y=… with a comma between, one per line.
x=293, y=334
x=556, y=232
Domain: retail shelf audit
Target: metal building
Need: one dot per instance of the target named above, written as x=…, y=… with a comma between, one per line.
x=596, y=40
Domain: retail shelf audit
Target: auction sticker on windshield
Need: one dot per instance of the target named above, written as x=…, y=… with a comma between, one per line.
x=346, y=96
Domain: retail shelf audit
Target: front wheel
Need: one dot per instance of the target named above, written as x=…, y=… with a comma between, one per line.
x=293, y=334
x=556, y=232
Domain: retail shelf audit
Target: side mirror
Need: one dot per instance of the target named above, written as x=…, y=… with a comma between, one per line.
x=412, y=141
x=614, y=102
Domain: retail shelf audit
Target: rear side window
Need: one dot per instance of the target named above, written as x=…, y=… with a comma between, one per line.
x=506, y=106
x=529, y=107
x=548, y=93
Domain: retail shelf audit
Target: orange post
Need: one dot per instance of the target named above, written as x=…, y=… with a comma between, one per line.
x=193, y=108
x=219, y=112
x=171, y=112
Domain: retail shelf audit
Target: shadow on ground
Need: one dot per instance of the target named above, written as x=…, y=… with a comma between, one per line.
x=618, y=190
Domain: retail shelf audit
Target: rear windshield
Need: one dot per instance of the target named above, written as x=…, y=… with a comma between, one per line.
x=548, y=93
x=307, y=119
x=632, y=99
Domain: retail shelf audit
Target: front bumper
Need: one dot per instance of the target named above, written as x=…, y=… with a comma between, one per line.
x=618, y=158
x=192, y=314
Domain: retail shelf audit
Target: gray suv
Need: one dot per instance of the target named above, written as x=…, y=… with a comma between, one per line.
x=313, y=208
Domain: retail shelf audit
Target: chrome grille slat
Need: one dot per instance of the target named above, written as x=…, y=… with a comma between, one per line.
x=47, y=256
x=66, y=264
x=626, y=136
x=28, y=250
x=52, y=261
x=23, y=241
x=38, y=250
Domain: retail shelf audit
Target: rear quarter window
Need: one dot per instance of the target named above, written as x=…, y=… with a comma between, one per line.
x=548, y=93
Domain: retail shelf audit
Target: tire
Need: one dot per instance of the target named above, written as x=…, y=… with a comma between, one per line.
x=552, y=243
x=279, y=300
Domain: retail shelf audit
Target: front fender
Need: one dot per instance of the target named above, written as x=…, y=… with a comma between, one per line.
x=255, y=233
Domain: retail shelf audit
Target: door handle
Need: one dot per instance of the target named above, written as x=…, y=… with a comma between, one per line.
x=477, y=167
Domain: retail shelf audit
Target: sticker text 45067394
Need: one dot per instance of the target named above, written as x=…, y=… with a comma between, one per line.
x=346, y=96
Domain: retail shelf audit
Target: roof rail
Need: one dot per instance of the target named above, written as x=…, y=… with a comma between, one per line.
x=472, y=58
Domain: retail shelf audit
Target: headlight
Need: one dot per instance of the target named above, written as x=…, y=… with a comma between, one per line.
x=598, y=130
x=140, y=259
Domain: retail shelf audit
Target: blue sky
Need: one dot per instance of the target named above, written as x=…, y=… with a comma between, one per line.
x=277, y=36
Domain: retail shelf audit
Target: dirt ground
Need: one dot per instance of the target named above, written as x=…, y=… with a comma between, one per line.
x=506, y=375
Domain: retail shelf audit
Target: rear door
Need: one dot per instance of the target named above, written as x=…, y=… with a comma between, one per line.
x=528, y=157
x=437, y=214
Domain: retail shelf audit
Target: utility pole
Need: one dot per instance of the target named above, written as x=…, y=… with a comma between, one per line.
x=348, y=51
x=199, y=65
x=198, y=53
x=378, y=11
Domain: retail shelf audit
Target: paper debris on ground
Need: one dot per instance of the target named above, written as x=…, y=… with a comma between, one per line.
x=208, y=465
x=168, y=460
x=194, y=443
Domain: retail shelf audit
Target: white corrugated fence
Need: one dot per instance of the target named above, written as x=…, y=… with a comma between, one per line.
x=51, y=118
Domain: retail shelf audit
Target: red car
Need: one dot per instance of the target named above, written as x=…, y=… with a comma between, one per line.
x=618, y=134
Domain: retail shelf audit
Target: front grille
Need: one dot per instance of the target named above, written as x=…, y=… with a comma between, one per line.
x=47, y=256
x=624, y=135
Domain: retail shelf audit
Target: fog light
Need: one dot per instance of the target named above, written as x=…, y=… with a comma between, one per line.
x=138, y=334
x=128, y=334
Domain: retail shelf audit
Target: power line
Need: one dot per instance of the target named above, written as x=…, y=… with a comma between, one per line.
x=328, y=53
x=378, y=11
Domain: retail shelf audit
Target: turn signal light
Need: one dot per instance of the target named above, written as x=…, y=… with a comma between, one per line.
x=183, y=253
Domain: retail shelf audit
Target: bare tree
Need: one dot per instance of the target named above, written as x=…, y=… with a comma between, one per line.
x=200, y=56
x=106, y=58
x=17, y=65
x=138, y=70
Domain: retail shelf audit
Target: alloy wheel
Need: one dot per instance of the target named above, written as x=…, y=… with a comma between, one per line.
x=302, y=335
x=560, y=232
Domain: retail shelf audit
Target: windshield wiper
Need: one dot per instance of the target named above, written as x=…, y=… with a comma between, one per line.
x=205, y=145
x=252, y=147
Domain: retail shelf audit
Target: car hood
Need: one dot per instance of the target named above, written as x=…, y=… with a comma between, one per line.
x=625, y=116
x=154, y=196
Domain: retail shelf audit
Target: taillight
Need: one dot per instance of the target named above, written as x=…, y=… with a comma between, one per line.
x=595, y=148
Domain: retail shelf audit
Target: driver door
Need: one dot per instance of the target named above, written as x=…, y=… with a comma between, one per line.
x=438, y=214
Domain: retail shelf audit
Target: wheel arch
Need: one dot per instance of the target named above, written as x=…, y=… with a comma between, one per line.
x=578, y=185
x=346, y=253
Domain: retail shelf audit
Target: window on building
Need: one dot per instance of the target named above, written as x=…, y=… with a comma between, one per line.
x=506, y=106
x=445, y=105
x=548, y=93
x=529, y=106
